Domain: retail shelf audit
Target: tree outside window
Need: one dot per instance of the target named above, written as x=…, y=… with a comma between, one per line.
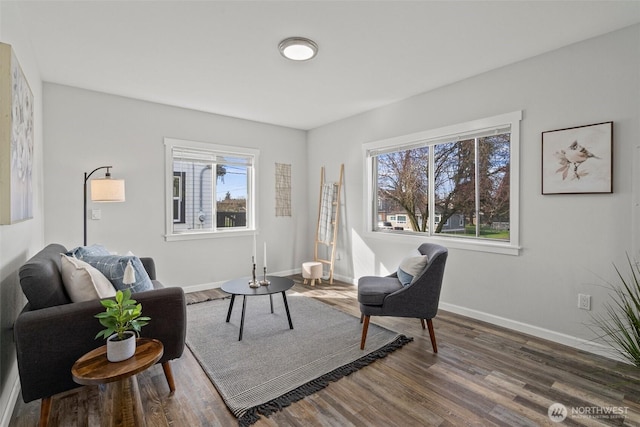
x=460, y=185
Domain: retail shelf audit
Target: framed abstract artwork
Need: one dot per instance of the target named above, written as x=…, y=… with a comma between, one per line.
x=578, y=160
x=16, y=140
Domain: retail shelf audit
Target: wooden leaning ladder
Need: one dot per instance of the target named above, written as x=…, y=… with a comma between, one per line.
x=335, y=216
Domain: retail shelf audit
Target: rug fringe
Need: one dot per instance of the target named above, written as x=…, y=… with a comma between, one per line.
x=209, y=299
x=252, y=415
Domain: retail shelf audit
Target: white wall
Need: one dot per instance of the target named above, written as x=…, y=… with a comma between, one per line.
x=568, y=241
x=86, y=129
x=18, y=241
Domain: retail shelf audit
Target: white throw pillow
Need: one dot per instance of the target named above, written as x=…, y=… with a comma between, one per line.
x=84, y=282
x=410, y=267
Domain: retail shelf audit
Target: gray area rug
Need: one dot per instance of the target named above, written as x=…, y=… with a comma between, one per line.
x=273, y=365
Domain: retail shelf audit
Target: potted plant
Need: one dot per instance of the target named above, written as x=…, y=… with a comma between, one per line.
x=122, y=319
x=620, y=325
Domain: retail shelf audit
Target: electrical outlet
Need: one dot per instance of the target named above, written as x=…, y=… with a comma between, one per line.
x=96, y=214
x=584, y=302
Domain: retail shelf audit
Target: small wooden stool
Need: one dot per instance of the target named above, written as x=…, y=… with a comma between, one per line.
x=312, y=270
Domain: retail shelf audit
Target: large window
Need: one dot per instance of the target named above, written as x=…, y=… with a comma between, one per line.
x=210, y=189
x=458, y=182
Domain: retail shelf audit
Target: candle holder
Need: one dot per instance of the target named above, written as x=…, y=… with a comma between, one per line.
x=264, y=281
x=253, y=283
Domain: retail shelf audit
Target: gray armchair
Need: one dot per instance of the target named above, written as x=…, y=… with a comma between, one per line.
x=387, y=296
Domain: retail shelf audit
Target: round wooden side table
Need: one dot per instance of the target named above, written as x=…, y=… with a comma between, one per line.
x=119, y=392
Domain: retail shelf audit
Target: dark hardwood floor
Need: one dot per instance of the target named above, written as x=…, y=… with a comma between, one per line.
x=483, y=375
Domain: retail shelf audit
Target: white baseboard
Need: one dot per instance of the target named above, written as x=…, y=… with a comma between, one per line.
x=547, y=334
x=345, y=279
x=14, y=384
x=201, y=287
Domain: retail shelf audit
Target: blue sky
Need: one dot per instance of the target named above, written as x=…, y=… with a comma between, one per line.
x=235, y=181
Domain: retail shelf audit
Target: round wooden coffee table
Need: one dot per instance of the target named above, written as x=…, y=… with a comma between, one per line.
x=120, y=396
x=241, y=287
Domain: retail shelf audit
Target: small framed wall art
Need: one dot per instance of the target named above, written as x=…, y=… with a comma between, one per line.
x=16, y=140
x=578, y=160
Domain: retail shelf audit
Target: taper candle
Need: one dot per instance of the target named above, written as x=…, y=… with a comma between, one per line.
x=254, y=248
x=265, y=254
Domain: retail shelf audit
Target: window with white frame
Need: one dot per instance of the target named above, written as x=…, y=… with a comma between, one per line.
x=459, y=182
x=210, y=189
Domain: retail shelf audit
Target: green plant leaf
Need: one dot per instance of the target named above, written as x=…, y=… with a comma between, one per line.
x=121, y=314
x=620, y=325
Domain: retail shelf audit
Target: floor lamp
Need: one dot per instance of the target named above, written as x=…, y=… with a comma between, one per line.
x=102, y=190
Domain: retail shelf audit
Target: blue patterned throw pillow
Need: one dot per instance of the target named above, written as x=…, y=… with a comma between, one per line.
x=124, y=272
x=83, y=251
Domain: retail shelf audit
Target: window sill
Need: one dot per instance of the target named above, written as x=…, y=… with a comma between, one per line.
x=199, y=235
x=503, y=248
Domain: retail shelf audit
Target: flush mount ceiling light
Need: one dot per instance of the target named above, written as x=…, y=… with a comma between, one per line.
x=298, y=48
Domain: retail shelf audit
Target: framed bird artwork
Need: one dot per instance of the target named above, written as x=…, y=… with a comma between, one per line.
x=578, y=160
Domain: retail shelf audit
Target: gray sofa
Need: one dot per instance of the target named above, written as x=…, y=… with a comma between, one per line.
x=52, y=332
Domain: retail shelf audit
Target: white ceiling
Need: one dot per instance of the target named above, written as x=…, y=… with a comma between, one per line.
x=221, y=56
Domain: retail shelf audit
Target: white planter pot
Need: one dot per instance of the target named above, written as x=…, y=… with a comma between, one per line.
x=118, y=351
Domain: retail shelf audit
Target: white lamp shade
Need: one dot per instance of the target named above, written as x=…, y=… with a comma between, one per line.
x=107, y=190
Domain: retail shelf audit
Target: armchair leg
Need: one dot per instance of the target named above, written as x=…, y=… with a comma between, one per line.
x=365, y=328
x=45, y=409
x=361, y=318
x=166, y=367
x=432, y=335
x=422, y=322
